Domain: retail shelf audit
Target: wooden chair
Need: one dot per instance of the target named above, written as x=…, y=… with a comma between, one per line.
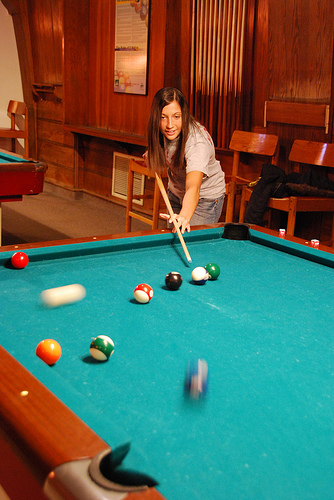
x=18, y=113
x=152, y=218
x=306, y=153
x=263, y=145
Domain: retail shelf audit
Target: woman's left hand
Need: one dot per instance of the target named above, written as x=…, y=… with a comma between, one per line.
x=182, y=222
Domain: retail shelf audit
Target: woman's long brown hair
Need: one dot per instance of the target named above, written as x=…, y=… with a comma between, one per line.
x=156, y=154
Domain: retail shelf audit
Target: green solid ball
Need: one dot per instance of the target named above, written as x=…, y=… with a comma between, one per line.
x=101, y=348
x=213, y=270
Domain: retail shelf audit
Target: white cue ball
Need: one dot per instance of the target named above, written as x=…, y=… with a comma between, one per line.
x=200, y=275
x=54, y=297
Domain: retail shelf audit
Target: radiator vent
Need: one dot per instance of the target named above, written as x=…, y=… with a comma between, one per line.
x=120, y=178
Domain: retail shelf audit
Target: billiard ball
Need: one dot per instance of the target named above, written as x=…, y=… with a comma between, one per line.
x=199, y=275
x=173, y=280
x=19, y=260
x=54, y=297
x=143, y=293
x=49, y=351
x=213, y=270
x=101, y=348
x=196, y=380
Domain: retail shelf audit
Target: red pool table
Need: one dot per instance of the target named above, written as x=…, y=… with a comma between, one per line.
x=18, y=177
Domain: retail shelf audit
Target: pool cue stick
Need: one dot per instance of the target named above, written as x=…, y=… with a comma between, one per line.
x=171, y=213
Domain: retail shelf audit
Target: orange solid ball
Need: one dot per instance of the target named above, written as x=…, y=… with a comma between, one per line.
x=49, y=351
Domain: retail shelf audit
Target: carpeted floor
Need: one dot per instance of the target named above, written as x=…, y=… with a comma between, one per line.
x=59, y=214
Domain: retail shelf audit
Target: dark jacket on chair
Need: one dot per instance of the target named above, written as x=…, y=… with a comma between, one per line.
x=274, y=183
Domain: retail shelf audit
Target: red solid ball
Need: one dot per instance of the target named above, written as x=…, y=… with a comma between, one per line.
x=19, y=260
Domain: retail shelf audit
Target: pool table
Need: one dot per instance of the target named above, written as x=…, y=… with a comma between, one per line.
x=264, y=428
x=19, y=176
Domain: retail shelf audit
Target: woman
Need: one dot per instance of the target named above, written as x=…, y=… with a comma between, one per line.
x=178, y=143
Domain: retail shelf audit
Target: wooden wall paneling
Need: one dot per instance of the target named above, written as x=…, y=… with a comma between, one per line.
x=172, y=70
x=58, y=154
x=96, y=164
x=320, y=45
x=54, y=145
x=46, y=31
x=59, y=175
x=101, y=62
x=134, y=109
x=101, y=45
x=98, y=159
x=331, y=107
x=76, y=62
x=137, y=108
x=301, y=70
x=159, y=26
x=303, y=31
x=122, y=114
x=50, y=110
x=260, y=81
x=53, y=131
x=115, y=115
x=99, y=185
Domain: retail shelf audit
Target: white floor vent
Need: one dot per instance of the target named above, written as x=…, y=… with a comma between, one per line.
x=120, y=178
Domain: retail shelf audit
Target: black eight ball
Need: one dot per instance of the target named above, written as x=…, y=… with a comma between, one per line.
x=173, y=280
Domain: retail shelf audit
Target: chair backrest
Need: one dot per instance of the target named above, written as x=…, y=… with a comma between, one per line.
x=297, y=113
x=16, y=111
x=17, y=108
x=254, y=143
x=18, y=114
x=312, y=153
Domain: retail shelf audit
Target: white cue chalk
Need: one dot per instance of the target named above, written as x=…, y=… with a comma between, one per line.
x=171, y=213
x=54, y=297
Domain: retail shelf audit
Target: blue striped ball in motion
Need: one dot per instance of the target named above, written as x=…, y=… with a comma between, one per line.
x=196, y=380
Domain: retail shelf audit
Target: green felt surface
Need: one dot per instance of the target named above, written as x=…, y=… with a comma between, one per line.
x=8, y=158
x=265, y=328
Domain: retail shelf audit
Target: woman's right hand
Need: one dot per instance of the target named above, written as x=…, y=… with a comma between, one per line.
x=182, y=222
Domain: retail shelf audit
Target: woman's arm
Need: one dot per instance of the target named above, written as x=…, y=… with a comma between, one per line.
x=189, y=202
x=190, y=199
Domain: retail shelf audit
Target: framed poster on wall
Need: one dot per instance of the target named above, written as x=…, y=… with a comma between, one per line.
x=131, y=46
